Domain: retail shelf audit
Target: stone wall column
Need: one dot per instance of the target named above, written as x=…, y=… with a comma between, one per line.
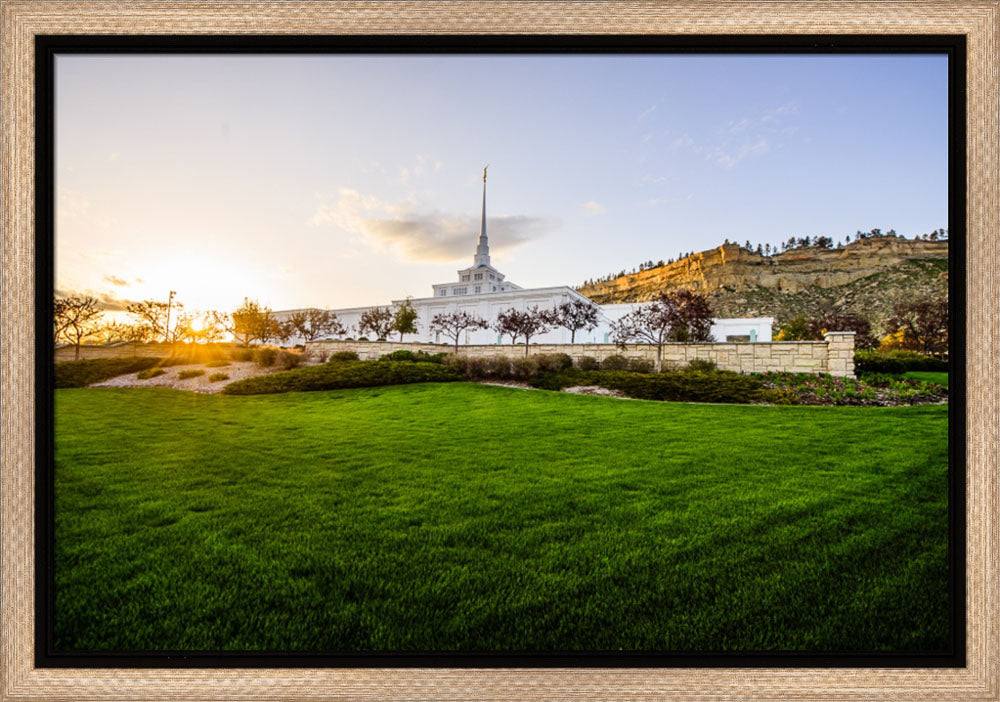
x=840, y=353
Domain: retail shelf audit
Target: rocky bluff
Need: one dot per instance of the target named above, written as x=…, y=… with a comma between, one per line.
x=864, y=277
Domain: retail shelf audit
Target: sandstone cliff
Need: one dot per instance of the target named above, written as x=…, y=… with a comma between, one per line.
x=865, y=277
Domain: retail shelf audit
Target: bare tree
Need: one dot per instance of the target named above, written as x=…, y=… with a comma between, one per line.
x=529, y=323
x=154, y=315
x=75, y=319
x=314, y=324
x=452, y=324
x=576, y=315
x=377, y=320
x=674, y=316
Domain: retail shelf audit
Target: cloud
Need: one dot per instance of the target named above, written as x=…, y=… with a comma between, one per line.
x=682, y=141
x=593, y=208
x=424, y=236
x=646, y=113
x=729, y=157
x=114, y=156
x=105, y=301
x=115, y=280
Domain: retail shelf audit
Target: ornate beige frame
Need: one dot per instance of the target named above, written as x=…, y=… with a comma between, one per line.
x=977, y=19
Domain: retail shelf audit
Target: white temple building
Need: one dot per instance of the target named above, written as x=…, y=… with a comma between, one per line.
x=483, y=291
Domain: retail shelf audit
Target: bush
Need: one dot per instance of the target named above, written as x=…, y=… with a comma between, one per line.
x=476, y=368
x=349, y=374
x=401, y=355
x=588, y=363
x=640, y=365
x=149, y=373
x=343, y=356
x=242, y=354
x=498, y=367
x=523, y=368
x=614, y=363
x=896, y=362
x=554, y=362
x=216, y=377
x=289, y=359
x=457, y=364
x=265, y=357
x=687, y=386
x=702, y=365
x=362, y=338
x=80, y=374
x=191, y=373
x=216, y=364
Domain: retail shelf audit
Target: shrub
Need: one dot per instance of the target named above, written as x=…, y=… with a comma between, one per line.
x=333, y=376
x=216, y=364
x=149, y=373
x=554, y=362
x=80, y=374
x=190, y=373
x=896, y=362
x=362, y=338
x=401, y=355
x=265, y=357
x=702, y=365
x=498, y=367
x=524, y=368
x=477, y=368
x=614, y=363
x=588, y=363
x=289, y=359
x=688, y=386
x=216, y=377
x=457, y=364
x=640, y=365
x=242, y=354
x=343, y=356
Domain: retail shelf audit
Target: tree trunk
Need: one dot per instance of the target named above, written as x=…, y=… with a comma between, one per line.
x=77, y=357
x=659, y=358
x=572, y=336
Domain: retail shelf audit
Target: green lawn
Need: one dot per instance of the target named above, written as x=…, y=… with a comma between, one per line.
x=469, y=517
x=928, y=377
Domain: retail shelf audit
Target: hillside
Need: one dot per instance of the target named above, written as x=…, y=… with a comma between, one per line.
x=866, y=277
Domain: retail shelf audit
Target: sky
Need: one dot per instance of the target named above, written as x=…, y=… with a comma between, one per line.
x=338, y=181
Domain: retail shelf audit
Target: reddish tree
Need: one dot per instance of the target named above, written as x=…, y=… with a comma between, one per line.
x=924, y=324
x=835, y=321
x=378, y=321
x=576, y=315
x=452, y=324
x=529, y=323
x=675, y=316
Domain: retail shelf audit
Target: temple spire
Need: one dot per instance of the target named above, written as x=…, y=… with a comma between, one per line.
x=483, y=249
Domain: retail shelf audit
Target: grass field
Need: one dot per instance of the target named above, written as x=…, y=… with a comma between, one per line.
x=928, y=377
x=469, y=517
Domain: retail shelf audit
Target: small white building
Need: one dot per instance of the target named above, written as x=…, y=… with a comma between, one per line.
x=484, y=292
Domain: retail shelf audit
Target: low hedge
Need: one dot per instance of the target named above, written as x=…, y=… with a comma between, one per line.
x=80, y=374
x=896, y=362
x=343, y=356
x=345, y=374
x=190, y=373
x=412, y=357
x=673, y=386
x=150, y=373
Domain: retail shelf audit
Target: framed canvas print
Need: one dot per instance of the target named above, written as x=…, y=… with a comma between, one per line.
x=405, y=350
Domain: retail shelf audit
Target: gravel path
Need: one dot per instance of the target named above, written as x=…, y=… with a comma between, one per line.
x=236, y=370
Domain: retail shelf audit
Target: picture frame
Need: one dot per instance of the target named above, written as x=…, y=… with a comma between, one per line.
x=21, y=21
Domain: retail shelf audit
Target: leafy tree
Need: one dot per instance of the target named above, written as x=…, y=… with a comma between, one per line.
x=315, y=324
x=575, y=315
x=795, y=329
x=922, y=324
x=838, y=321
x=75, y=319
x=404, y=320
x=452, y=324
x=213, y=326
x=680, y=315
x=253, y=322
x=377, y=320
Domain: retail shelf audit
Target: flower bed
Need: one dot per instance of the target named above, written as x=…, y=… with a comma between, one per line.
x=874, y=390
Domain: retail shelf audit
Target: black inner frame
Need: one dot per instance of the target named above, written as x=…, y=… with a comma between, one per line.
x=47, y=47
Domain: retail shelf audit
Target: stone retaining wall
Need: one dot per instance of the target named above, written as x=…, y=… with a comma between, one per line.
x=833, y=355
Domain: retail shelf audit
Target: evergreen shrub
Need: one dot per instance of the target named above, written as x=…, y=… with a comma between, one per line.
x=334, y=376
